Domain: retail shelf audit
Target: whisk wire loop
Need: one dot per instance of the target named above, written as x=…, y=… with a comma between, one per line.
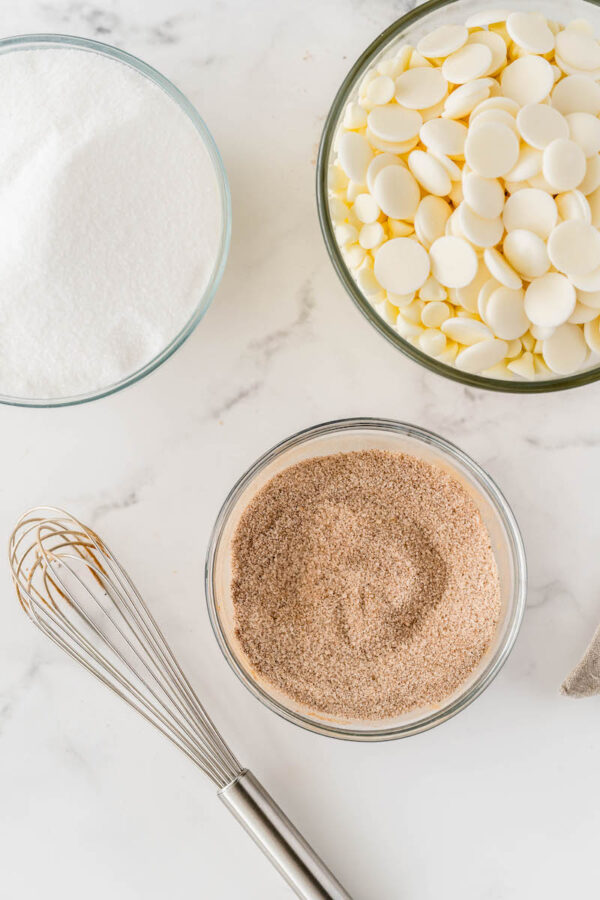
x=78, y=594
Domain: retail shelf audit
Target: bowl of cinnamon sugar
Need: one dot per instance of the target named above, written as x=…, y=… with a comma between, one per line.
x=366, y=579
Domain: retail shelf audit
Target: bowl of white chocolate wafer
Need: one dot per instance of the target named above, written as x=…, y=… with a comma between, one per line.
x=459, y=191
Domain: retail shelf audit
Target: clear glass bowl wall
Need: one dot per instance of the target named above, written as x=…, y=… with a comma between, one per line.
x=361, y=434
x=49, y=41
x=410, y=29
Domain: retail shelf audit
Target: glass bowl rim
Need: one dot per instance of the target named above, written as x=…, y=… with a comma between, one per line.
x=22, y=41
x=488, y=488
x=560, y=383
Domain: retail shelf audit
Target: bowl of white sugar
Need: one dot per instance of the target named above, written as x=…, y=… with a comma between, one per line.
x=459, y=191
x=115, y=219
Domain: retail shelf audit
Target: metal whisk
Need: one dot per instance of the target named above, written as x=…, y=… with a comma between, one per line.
x=74, y=590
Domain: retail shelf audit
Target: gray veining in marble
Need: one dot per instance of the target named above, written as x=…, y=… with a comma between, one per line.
x=499, y=803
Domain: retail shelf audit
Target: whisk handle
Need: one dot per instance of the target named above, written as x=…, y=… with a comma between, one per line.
x=280, y=841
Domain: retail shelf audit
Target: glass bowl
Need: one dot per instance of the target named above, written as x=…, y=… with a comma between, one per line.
x=410, y=28
x=37, y=41
x=362, y=434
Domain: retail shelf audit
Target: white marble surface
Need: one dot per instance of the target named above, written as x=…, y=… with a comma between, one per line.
x=501, y=802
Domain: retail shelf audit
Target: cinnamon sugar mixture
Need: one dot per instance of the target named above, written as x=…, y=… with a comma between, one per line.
x=364, y=584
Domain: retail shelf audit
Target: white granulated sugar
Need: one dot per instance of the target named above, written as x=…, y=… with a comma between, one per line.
x=110, y=221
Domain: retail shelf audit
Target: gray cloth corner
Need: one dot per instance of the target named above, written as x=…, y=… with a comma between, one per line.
x=584, y=680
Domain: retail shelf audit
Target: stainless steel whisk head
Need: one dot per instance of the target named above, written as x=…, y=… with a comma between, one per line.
x=76, y=592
